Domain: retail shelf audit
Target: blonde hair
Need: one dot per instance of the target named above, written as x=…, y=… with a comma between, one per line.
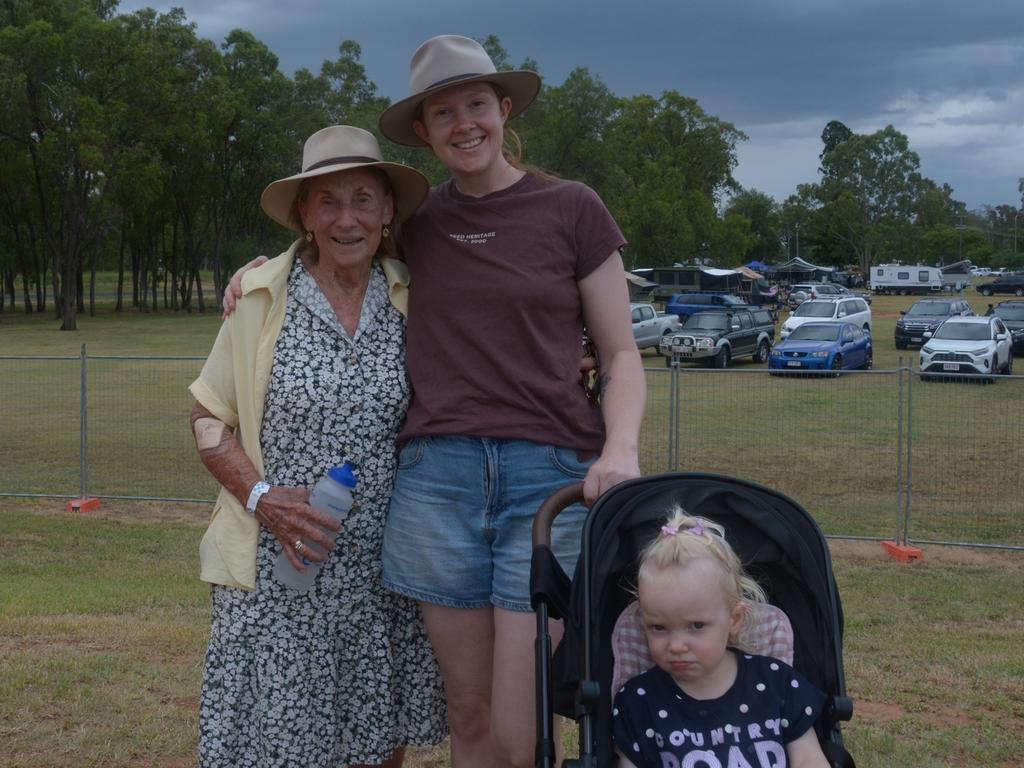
x=685, y=539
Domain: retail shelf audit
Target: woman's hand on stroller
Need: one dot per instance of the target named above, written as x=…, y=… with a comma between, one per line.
x=611, y=468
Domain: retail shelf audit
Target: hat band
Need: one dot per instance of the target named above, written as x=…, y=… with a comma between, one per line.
x=341, y=160
x=453, y=78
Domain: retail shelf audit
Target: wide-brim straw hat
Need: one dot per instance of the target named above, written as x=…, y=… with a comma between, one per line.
x=446, y=61
x=342, y=148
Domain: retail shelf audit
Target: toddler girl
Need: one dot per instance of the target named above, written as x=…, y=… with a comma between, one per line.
x=706, y=702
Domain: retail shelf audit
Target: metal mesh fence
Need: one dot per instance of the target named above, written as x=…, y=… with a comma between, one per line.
x=832, y=444
x=877, y=454
x=966, y=438
x=39, y=425
x=140, y=445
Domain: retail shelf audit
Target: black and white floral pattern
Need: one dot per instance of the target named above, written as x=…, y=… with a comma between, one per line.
x=343, y=673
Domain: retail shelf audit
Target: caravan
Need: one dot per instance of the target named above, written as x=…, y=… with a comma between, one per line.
x=902, y=279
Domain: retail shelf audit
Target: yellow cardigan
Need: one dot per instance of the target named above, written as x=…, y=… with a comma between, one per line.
x=233, y=385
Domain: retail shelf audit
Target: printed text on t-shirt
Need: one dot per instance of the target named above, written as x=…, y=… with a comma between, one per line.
x=474, y=238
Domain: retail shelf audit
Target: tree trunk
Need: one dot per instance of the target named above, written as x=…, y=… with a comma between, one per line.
x=92, y=285
x=120, y=270
x=68, y=296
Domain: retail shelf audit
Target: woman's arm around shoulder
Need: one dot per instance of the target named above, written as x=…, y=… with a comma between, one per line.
x=233, y=292
x=623, y=388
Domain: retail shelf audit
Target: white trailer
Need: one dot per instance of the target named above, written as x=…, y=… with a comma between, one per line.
x=903, y=279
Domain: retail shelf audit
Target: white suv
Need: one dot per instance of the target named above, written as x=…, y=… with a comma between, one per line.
x=978, y=345
x=853, y=310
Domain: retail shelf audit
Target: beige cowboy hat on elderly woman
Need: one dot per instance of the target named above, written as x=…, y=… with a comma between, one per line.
x=342, y=148
x=443, y=62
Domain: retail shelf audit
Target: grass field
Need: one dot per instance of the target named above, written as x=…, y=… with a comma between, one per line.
x=103, y=622
x=831, y=444
x=103, y=625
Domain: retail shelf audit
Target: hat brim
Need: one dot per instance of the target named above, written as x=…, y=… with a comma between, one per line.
x=409, y=188
x=520, y=85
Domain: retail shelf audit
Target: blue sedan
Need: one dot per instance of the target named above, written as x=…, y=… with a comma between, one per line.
x=823, y=347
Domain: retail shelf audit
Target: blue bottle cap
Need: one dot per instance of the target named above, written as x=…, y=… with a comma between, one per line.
x=343, y=475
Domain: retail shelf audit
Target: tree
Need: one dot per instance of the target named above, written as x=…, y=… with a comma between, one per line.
x=834, y=134
x=765, y=226
x=671, y=163
x=564, y=130
x=870, y=188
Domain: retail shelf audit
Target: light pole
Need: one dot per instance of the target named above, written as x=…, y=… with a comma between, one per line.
x=1015, y=217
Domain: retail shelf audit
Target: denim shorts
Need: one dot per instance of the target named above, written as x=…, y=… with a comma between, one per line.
x=458, y=532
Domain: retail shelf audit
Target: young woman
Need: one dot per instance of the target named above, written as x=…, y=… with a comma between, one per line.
x=508, y=266
x=706, y=702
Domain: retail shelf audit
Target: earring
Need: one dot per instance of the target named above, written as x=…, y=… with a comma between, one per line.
x=309, y=236
x=386, y=231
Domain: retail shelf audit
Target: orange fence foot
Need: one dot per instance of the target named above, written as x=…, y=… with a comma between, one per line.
x=83, y=504
x=902, y=552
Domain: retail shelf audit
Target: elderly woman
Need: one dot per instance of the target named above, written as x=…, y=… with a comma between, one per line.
x=307, y=373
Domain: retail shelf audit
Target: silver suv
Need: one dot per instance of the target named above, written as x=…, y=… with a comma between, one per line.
x=801, y=292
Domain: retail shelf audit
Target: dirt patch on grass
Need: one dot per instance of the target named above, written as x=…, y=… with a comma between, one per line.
x=874, y=552
x=941, y=716
x=118, y=509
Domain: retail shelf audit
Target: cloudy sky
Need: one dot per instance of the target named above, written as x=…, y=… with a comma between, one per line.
x=949, y=75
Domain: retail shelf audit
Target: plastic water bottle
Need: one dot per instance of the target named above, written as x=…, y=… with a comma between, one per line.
x=331, y=494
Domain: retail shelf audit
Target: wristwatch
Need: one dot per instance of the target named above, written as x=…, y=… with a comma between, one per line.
x=255, y=495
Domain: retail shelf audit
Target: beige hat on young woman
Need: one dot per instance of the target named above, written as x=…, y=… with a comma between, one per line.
x=449, y=60
x=341, y=148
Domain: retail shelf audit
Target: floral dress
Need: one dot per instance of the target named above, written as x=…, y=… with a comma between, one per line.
x=343, y=673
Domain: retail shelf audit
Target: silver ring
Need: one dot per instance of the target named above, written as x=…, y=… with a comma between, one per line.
x=298, y=546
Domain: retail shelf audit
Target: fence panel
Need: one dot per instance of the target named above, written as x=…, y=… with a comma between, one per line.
x=966, y=482
x=829, y=443
x=656, y=429
x=39, y=425
x=140, y=445
x=833, y=444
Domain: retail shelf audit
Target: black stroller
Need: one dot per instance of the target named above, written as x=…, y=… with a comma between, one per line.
x=779, y=543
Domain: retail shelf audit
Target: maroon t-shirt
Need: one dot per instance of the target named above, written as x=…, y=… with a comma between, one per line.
x=495, y=317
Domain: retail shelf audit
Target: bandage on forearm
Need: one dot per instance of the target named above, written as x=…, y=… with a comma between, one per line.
x=209, y=432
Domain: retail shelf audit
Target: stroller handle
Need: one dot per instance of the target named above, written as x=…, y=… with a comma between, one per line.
x=564, y=497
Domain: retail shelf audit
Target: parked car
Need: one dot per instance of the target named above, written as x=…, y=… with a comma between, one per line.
x=1012, y=314
x=926, y=315
x=721, y=336
x=801, y=292
x=818, y=346
x=685, y=304
x=976, y=345
x=1008, y=283
x=826, y=290
x=847, y=310
x=649, y=325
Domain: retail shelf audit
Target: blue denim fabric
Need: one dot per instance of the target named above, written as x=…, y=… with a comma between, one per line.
x=458, y=532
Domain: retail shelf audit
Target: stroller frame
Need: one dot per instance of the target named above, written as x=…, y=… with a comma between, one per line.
x=553, y=595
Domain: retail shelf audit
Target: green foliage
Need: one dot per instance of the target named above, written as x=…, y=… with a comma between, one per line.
x=765, y=224
x=129, y=143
